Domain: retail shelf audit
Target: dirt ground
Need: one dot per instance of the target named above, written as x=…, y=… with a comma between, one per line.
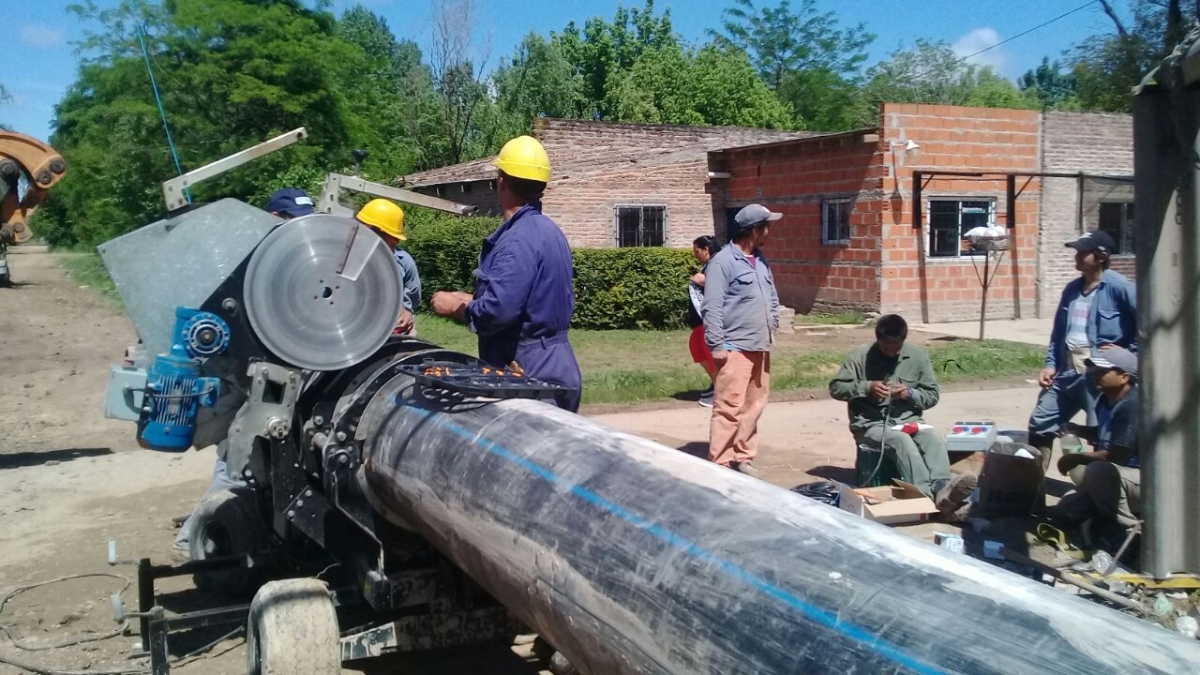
x=70, y=481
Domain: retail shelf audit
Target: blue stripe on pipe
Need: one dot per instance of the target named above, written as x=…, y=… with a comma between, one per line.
x=821, y=616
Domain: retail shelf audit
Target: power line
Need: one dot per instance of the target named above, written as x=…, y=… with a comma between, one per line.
x=1027, y=32
x=1007, y=40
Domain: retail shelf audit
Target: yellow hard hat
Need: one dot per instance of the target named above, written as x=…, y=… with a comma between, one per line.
x=384, y=215
x=524, y=157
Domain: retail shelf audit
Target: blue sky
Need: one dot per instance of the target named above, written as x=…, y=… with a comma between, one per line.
x=39, y=68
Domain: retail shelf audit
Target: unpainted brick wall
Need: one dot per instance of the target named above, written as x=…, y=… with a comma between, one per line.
x=795, y=179
x=600, y=166
x=1092, y=143
x=481, y=194
x=983, y=140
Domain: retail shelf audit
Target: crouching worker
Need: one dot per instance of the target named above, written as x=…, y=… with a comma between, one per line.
x=889, y=383
x=1110, y=488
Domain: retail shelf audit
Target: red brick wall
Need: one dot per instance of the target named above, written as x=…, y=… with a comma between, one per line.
x=795, y=179
x=959, y=139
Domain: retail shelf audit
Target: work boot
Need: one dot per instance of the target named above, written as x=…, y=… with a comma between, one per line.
x=746, y=468
x=952, y=494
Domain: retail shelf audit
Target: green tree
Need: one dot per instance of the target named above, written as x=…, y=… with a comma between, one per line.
x=537, y=80
x=715, y=85
x=389, y=95
x=803, y=55
x=932, y=73
x=1053, y=87
x=1107, y=67
x=231, y=73
x=602, y=53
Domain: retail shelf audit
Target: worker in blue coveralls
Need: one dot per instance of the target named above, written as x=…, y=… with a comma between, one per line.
x=524, y=294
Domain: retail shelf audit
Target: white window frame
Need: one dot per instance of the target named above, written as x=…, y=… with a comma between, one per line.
x=642, y=214
x=928, y=226
x=825, y=203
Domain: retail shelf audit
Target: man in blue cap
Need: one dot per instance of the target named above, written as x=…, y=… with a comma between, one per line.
x=290, y=202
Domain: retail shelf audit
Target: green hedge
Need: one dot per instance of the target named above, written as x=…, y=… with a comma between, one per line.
x=642, y=288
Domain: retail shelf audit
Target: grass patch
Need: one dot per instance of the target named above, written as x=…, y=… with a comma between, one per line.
x=643, y=366
x=630, y=366
x=87, y=270
x=831, y=319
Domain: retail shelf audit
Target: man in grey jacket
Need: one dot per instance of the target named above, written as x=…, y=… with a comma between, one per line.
x=741, y=316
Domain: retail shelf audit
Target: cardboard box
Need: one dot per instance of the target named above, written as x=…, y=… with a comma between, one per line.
x=1010, y=485
x=889, y=504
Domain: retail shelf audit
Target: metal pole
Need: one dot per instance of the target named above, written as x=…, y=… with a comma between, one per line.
x=987, y=265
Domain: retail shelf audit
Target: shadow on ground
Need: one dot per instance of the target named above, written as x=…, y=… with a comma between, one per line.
x=19, y=460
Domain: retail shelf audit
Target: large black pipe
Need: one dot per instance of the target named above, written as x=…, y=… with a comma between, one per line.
x=631, y=557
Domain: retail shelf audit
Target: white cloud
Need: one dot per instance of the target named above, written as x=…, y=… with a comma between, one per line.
x=977, y=40
x=36, y=35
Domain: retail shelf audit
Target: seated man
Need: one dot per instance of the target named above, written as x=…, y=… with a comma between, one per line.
x=890, y=383
x=1111, y=484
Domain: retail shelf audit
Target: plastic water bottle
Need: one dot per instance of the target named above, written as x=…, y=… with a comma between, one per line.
x=1071, y=445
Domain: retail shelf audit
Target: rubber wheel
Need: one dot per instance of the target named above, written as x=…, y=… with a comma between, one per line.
x=293, y=630
x=226, y=524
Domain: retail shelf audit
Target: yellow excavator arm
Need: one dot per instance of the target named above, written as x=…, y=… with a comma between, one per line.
x=41, y=165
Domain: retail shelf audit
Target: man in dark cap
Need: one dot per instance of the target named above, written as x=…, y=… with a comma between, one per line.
x=290, y=202
x=1097, y=311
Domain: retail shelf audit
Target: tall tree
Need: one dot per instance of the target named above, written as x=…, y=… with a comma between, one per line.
x=715, y=85
x=604, y=52
x=231, y=73
x=1053, y=86
x=931, y=72
x=458, y=79
x=537, y=80
x=1108, y=66
x=803, y=55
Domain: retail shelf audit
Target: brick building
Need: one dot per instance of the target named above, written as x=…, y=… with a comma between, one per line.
x=612, y=184
x=1088, y=143
x=849, y=238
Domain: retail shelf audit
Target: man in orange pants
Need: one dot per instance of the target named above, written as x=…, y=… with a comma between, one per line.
x=741, y=317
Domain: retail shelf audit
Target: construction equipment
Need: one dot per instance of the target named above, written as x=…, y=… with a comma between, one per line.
x=446, y=505
x=28, y=169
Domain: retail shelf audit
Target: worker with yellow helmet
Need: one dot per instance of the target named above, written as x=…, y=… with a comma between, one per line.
x=524, y=294
x=386, y=219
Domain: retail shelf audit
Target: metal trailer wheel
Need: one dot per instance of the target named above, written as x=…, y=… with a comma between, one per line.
x=227, y=524
x=293, y=630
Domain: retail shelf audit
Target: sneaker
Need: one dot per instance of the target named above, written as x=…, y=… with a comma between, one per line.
x=746, y=468
x=706, y=399
x=951, y=495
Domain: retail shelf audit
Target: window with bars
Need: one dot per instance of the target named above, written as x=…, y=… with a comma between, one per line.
x=1116, y=218
x=835, y=221
x=950, y=219
x=641, y=225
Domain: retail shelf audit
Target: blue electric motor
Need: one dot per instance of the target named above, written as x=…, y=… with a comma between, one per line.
x=174, y=388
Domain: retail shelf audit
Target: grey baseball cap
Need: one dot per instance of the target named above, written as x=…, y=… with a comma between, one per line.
x=1115, y=358
x=754, y=215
